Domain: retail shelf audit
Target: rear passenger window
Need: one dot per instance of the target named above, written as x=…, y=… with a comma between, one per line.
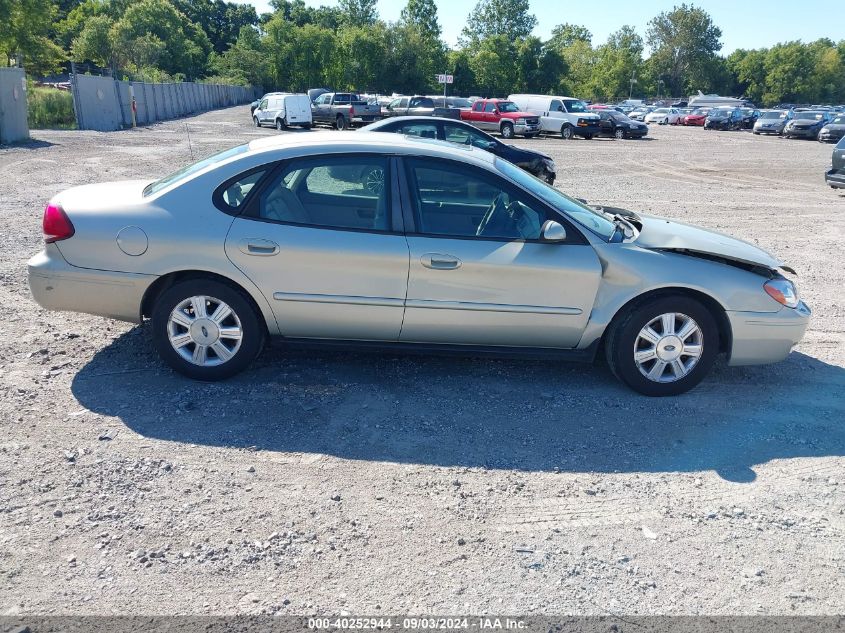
x=423, y=130
x=345, y=192
x=236, y=193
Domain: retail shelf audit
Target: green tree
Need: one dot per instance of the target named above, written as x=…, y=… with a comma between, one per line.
x=494, y=66
x=149, y=24
x=458, y=63
x=94, y=42
x=26, y=29
x=422, y=14
x=748, y=70
x=616, y=62
x=69, y=28
x=789, y=68
x=564, y=35
x=221, y=21
x=539, y=67
x=245, y=62
x=684, y=42
x=359, y=13
x=508, y=18
x=580, y=61
x=360, y=58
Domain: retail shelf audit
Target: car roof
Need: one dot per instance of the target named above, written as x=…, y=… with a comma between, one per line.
x=386, y=142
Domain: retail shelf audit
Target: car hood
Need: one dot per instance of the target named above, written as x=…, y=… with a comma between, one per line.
x=527, y=153
x=662, y=234
x=519, y=115
x=835, y=127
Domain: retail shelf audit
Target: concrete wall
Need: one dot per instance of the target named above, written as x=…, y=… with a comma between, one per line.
x=13, y=123
x=102, y=103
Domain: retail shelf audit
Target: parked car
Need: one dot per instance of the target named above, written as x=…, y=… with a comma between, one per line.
x=835, y=177
x=833, y=130
x=663, y=116
x=343, y=109
x=535, y=163
x=696, y=117
x=723, y=119
x=502, y=116
x=806, y=124
x=638, y=114
x=749, y=118
x=283, y=110
x=254, y=104
x=566, y=116
x=418, y=106
x=460, y=250
x=451, y=102
x=619, y=126
x=771, y=121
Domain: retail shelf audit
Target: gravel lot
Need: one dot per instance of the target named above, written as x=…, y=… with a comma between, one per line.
x=321, y=483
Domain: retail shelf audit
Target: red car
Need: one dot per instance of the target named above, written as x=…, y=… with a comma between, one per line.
x=696, y=117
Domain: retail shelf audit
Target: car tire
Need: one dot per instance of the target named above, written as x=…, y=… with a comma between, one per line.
x=641, y=345
x=340, y=123
x=566, y=132
x=619, y=134
x=256, y=122
x=506, y=130
x=280, y=125
x=588, y=137
x=192, y=344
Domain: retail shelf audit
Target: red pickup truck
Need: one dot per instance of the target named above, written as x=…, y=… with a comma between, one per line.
x=502, y=116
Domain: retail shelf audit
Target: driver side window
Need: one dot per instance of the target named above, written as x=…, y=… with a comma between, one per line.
x=452, y=200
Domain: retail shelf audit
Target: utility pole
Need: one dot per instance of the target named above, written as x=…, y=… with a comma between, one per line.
x=633, y=81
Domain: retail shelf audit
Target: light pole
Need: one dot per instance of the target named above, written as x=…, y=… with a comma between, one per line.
x=633, y=81
x=659, y=88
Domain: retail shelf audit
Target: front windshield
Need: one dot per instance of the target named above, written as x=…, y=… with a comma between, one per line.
x=701, y=111
x=719, y=114
x=183, y=173
x=813, y=116
x=507, y=106
x=575, y=210
x=576, y=106
x=773, y=115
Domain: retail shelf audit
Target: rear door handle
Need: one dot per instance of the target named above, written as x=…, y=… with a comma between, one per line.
x=439, y=261
x=257, y=246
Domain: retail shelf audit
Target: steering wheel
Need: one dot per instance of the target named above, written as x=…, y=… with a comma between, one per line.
x=496, y=207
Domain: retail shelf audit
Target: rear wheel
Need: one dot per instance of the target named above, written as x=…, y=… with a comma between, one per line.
x=566, y=132
x=340, y=123
x=507, y=130
x=619, y=133
x=206, y=329
x=663, y=347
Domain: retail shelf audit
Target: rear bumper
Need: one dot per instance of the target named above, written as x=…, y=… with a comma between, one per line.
x=835, y=178
x=56, y=285
x=760, y=338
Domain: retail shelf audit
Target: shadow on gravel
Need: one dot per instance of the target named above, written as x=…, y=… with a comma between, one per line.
x=30, y=144
x=502, y=414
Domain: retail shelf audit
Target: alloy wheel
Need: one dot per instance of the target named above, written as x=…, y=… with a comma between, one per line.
x=204, y=331
x=668, y=347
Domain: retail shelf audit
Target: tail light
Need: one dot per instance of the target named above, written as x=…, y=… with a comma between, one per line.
x=56, y=225
x=351, y=111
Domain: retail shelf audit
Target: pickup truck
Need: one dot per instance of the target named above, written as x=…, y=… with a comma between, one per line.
x=418, y=106
x=502, y=116
x=343, y=110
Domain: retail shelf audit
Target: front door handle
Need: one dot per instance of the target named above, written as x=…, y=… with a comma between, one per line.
x=439, y=261
x=260, y=247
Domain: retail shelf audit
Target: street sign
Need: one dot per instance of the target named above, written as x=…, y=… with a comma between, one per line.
x=445, y=79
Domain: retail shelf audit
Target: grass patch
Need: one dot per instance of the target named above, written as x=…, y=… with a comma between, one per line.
x=50, y=108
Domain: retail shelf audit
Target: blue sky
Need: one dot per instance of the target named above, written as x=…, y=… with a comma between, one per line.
x=743, y=24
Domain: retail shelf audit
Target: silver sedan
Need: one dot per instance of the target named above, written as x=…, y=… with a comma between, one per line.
x=381, y=240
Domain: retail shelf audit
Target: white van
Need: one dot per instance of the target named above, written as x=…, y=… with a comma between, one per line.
x=283, y=110
x=566, y=116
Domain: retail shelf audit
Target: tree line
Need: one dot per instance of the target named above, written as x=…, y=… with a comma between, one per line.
x=296, y=46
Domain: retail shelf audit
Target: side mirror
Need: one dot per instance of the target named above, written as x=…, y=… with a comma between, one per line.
x=552, y=232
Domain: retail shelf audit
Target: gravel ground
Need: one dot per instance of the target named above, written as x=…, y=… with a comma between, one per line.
x=321, y=483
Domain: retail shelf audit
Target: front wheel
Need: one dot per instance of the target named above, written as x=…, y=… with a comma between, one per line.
x=619, y=134
x=507, y=130
x=256, y=122
x=206, y=329
x=280, y=125
x=663, y=347
x=566, y=132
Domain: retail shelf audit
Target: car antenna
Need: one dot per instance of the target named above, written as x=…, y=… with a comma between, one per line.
x=190, y=147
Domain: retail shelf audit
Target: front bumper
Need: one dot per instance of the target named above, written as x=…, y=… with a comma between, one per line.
x=760, y=338
x=526, y=128
x=795, y=132
x=765, y=129
x=835, y=178
x=829, y=137
x=56, y=285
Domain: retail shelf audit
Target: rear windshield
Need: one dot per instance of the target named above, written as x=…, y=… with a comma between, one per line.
x=183, y=173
